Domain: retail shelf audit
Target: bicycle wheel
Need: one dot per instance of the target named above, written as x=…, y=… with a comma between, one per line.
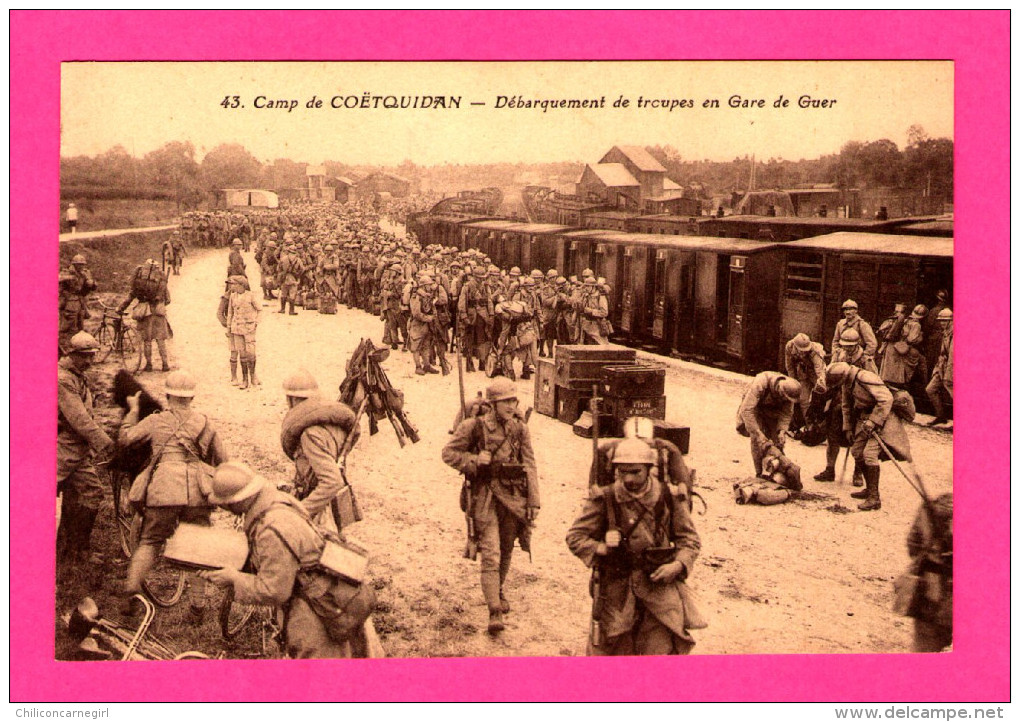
x=105, y=338
x=234, y=616
x=123, y=516
x=165, y=583
x=130, y=346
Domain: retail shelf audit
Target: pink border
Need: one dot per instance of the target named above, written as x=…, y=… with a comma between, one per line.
x=977, y=41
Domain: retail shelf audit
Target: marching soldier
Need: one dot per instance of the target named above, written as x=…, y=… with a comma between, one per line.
x=423, y=316
x=494, y=452
x=867, y=410
x=179, y=251
x=639, y=535
x=765, y=413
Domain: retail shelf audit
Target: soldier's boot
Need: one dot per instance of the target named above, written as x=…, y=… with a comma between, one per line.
x=858, y=479
x=66, y=532
x=873, y=502
x=469, y=364
x=503, y=603
x=829, y=474
x=526, y=372
x=233, y=372
x=163, y=355
x=419, y=366
x=148, y=357
x=244, y=375
x=490, y=588
x=292, y=311
x=82, y=540
x=251, y=373
x=142, y=561
x=283, y=304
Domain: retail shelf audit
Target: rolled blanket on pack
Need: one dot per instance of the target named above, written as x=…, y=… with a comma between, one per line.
x=313, y=412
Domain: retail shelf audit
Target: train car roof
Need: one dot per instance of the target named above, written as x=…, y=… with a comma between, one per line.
x=454, y=218
x=937, y=225
x=518, y=226
x=684, y=243
x=666, y=217
x=878, y=243
x=797, y=221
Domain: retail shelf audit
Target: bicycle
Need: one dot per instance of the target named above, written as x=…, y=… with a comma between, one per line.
x=117, y=334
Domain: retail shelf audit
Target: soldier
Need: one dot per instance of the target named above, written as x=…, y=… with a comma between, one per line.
x=670, y=465
x=72, y=217
x=805, y=361
x=852, y=320
x=76, y=284
x=940, y=388
x=391, y=289
x=268, y=265
x=79, y=437
x=152, y=325
x=242, y=322
x=850, y=352
x=765, y=413
x=179, y=252
x=289, y=269
x=641, y=605
x=548, y=304
x=175, y=485
x=902, y=339
x=314, y=434
x=867, y=410
x=321, y=618
x=235, y=262
x=933, y=329
x=470, y=322
x=423, y=316
x=494, y=452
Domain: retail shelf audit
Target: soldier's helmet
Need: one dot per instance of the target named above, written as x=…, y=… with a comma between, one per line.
x=633, y=451
x=480, y=272
x=270, y=243
x=802, y=343
x=493, y=270
x=836, y=373
x=849, y=338
x=78, y=260
x=537, y=274
x=500, y=390
x=552, y=274
x=945, y=314
x=527, y=281
x=790, y=388
x=236, y=242
x=83, y=342
x=181, y=384
x=235, y=481
x=589, y=280
x=638, y=427
x=515, y=271
x=301, y=384
x=587, y=273
x=848, y=304
x=919, y=312
x=561, y=281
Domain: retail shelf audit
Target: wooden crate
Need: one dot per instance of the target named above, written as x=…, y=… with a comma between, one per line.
x=631, y=380
x=585, y=428
x=653, y=407
x=571, y=403
x=580, y=366
x=545, y=387
x=679, y=435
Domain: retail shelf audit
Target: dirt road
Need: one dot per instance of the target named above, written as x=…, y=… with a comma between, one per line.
x=110, y=232
x=813, y=575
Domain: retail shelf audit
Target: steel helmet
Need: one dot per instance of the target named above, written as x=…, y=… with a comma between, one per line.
x=500, y=390
x=802, y=343
x=234, y=481
x=849, y=337
x=515, y=271
x=849, y=303
x=493, y=270
x=480, y=271
x=181, y=384
x=527, y=281
x=561, y=281
x=552, y=274
x=301, y=384
x=537, y=274
x=919, y=312
x=78, y=260
x=836, y=373
x=638, y=427
x=83, y=342
x=945, y=314
x=586, y=273
x=589, y=280
x=236, y=242
x=790, y=388
x=633, y=451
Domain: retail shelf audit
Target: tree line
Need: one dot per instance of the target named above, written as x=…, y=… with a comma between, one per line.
x=172, y=172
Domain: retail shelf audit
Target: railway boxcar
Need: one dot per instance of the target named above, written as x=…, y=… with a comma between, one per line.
x=515, y=243
x=786, y=228
x=875, y=270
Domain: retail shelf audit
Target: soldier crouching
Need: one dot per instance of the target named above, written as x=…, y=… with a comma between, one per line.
x=494, y=452
x=638, y=536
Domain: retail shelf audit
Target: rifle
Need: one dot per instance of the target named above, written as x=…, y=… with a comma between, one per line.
x=471, y=545
x=598, y=601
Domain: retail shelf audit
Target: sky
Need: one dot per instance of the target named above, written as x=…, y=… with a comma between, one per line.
x=142, y=106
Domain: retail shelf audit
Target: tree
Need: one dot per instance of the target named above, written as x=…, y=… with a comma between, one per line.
x=230, y=165
x=881, y=164
x=928, y=166
x=285, y=173
x=173, y=168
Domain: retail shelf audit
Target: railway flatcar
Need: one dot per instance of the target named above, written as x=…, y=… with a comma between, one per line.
x=875, y=270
